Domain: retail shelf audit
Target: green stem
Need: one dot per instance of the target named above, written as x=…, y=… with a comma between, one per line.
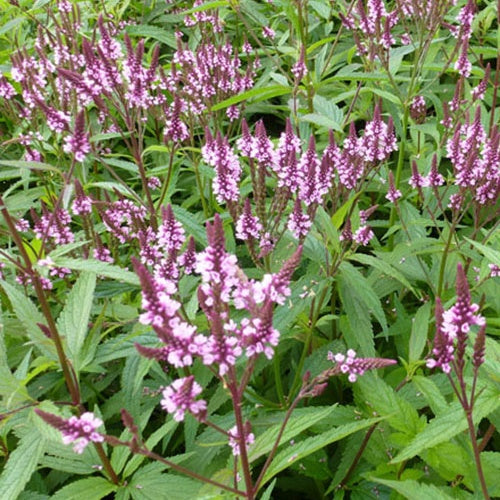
x=399, y=169
x=277, y=379
x=444, y=258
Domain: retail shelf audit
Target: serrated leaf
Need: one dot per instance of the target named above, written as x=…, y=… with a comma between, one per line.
x=74, y=318
x=148, y=483
x=300, y=420
x=385, y=401
x=431, y=392
x=160, y=34
x=258, y=94
x=31, y=165
x=21, y=464
x=93, y=488
x=492, y=255
x=292, y=454
x=449, y=424
x=419, y=331
x=359, y=301
x=29, y=316
x=412, y=489
x=100, y=268
x=192, y=226
x=385, y=268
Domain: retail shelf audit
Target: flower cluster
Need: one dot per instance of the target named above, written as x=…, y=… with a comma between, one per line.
x=79, y=430
x=476, y=160
x=453, y=326
x=180, y=396
x=234, y=439
x=350, y=364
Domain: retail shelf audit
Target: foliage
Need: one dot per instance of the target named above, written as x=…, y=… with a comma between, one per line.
x=217, y=216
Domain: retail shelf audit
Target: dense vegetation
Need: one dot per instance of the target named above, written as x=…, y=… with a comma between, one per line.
x=249, y=249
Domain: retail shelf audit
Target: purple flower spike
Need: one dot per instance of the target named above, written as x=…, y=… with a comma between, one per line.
x=248, y=226
x=354, y=366
x=80, y=430
x=78, y=143
x=180, y=397
x=443, y=344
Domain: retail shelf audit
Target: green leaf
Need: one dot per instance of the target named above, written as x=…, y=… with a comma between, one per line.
x=339, y=216
x=292, y=454
x=412, y=489
x=192, y=226
x=322, y=121
x=359, y=301
x=160, y=34
x=93, y=488
x=431, y=392
x=74, y=318
x=384, y=268
x=259, y=94
x=207, y=6
x=31, y=165
x=419, y=330
x=29, y=316
x=99, y=268
x=386, y=402
x=148, y=483
x=21, y=464
x=492, y=255
x=301, y=419
x=449, y=424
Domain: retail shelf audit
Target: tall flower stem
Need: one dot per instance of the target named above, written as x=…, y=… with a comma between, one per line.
x=475, y=448
x=399, y=170
x=240, y=426
x=68, y=373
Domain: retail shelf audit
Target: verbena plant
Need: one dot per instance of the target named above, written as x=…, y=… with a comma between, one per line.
x=217, y=217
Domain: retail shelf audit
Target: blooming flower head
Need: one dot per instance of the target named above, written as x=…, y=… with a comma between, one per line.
x=78, y=430
x=180, y=397
x=353, y=366
x=234, y=439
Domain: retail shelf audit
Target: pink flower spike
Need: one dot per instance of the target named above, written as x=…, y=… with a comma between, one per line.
x=180, y=396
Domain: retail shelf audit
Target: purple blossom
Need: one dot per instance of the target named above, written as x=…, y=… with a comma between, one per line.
x=103, y=254
x=363, y=235
x=217, y=153
x=175, y=129
x=393, y=194
x=463, y=65
x=458, y=320
x=443, y=344
x=234, y=439
x=78, y=430
x=188, y=259
x=350, y=364
x=154, y=183
x=180, y=397
x=78, y=143
x=248, y=226
x=170, y=233
x=299, y=223
x=7, y=91
x=54, y=225
x=418, y=109
x=268, y=32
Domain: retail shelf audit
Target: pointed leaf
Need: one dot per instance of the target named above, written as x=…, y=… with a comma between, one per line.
x=84, y=489
x=292, y=454
x=21, y=464
x=447, y=425
x=74, y=318
x=30, y=316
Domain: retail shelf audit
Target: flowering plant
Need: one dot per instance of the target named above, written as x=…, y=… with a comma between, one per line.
x=249, y=249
